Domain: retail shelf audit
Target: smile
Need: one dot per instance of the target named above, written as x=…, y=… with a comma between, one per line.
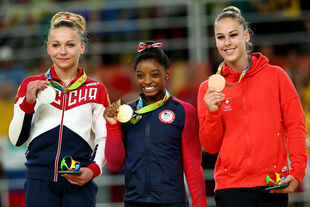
x=150, y=88
x=63, y=59
x=229, y=51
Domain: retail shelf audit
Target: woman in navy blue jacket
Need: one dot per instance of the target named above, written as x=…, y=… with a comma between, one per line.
x=160, y=141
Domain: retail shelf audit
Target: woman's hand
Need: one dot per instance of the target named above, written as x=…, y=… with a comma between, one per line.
x=292, y=185
x=33, y=88
x=85, y=176
x=110, y=113
x=213, y=99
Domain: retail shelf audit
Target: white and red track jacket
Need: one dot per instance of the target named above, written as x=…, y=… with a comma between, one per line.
x=72, y=125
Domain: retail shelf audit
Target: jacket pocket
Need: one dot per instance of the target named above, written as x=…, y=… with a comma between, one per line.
x=234, y=157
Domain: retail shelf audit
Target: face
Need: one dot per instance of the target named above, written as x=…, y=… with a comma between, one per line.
x=65, y=47
x=151, y=79
x=231, y=40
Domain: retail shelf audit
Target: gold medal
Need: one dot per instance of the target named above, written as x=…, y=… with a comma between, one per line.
x=125, y=113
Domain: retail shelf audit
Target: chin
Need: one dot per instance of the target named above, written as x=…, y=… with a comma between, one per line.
x=150, y=94
x=65, y=66
x=230, y=58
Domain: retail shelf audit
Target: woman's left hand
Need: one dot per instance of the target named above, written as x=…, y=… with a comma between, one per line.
x=292, y=185
x=110, y=113
x=85, y=176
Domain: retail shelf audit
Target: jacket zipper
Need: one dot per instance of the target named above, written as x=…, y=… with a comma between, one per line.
x=147, y=156
x=60, y=136
x=247, y=136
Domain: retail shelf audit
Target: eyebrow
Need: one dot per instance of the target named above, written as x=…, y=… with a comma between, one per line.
x=229, y=32
x=156, y=69
x=67, y=41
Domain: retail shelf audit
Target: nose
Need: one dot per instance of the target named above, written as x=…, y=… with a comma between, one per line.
x=63, y=50
x=147, y=79
x=227, y=41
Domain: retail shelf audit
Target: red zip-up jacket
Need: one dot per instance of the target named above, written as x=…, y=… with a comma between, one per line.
x=258, y=124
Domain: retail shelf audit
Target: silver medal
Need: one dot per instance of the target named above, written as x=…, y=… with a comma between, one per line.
x=47, y=95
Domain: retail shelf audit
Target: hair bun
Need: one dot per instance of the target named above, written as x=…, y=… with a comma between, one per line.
x=232, y=9
x=150, y=42
x=68, y=16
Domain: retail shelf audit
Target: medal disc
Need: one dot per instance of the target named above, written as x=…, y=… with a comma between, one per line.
x=217, y=82
x=47, y=95
x=125, y=113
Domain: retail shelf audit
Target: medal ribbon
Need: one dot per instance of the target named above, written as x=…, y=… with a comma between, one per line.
x=219, y=70
x=58, y=86
x=151, y=107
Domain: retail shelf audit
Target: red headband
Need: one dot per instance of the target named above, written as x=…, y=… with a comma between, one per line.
x=143, y=46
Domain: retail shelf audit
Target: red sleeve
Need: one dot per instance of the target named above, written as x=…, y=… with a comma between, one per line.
x=27, y=107
x=294, y=122
x=22, y=90
x=210, y=124
x=104, y=98
x=114, y=148
x=95, y=168
x=192, y=155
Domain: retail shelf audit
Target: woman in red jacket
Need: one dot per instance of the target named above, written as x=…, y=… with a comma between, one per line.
x=254, y=123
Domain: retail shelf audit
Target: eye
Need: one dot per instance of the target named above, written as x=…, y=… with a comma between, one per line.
x=70, y=44
x=155, y=75
x=220, y=37
x=55, y=45
x=233, y=35
x=140, y=75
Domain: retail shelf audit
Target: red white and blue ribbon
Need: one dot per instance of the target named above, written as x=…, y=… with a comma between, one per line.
x=142, y=46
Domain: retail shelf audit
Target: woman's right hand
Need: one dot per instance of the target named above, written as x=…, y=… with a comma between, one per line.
x=110, y=113
x=213, y=99
x=33, y=88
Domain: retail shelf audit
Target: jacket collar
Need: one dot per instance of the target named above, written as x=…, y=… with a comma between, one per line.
x=55, y=77
x=259, y=62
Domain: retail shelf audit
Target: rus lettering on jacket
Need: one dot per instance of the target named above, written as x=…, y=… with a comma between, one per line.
x=77, y=97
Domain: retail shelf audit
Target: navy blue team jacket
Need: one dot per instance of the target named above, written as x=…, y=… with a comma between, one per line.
x=156, y=151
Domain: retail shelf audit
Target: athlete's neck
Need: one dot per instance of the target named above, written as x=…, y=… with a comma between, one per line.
x=153, y=99
x=240, y=65
x=66, y=76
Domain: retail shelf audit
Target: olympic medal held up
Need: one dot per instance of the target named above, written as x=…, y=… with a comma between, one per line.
x=125, y=113
x=217, y=82
x=47, y=95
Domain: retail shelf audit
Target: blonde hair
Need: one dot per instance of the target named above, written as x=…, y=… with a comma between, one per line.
x=71, y=20
x=235, y=13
